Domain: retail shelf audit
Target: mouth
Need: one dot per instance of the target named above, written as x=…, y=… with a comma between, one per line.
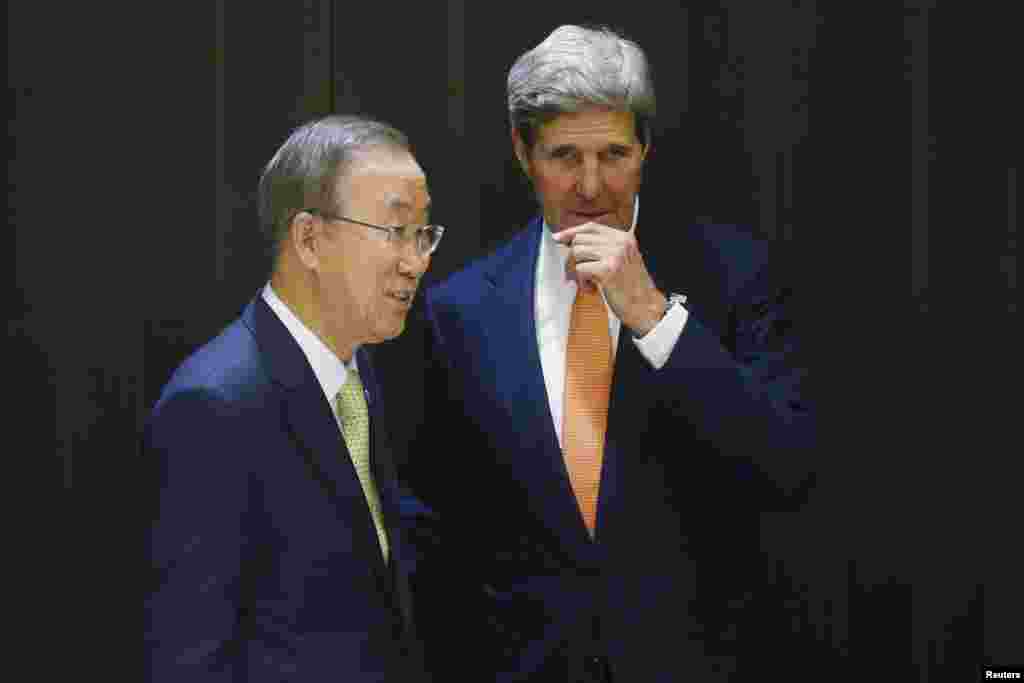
x=588, y=216
x=403, y=296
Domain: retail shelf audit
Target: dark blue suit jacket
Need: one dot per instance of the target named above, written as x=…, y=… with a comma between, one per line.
x=266, y=565
x=671, y=589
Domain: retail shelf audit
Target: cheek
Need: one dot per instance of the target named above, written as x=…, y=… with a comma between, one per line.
x=624, y=181
x=554, y=187
x=623, y=187
x=377, y=279
x=361, y=287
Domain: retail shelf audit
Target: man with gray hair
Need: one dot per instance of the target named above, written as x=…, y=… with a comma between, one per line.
x=275, y=551
x=621, y=432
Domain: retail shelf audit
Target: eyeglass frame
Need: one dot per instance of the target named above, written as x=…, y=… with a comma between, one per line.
x=395, y=233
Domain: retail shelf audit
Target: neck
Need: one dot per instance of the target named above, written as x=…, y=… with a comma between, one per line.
x=299, y=293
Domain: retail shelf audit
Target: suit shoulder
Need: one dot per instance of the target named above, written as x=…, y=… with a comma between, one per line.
x=735, y=246
x=228, y=370
x=732, y=256
x=467, y=284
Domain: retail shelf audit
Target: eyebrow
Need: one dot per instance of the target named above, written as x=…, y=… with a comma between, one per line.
x=395, y=202
x=570, y=146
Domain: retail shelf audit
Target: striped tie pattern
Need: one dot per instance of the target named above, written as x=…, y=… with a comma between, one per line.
x=355, y=427
x=588, y=381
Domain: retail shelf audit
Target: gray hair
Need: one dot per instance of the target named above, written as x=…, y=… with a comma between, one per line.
x=576, y=67
x=304, y=172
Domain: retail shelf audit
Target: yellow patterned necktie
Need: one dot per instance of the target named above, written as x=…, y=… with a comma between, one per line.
x=588, y=381
x=355, y=427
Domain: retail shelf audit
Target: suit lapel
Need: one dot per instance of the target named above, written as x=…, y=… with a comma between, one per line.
x=512, y=328
x=627, y=417
x=312, y=422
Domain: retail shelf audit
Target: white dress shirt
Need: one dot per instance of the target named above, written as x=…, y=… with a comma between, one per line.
x=330, y=371
x=554, y=296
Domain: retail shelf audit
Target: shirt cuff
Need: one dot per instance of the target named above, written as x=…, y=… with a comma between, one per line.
x=656, y=346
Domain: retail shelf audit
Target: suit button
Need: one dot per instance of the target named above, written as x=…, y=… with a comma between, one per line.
x=594, y=667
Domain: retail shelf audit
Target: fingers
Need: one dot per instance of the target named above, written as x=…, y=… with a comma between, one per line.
x=589, y=252
x=594, y=271
x=566, y=236
x=594, y=234
x=569, y=234
x=615, y=253
x=580, y=276
x=596, y=259
x=600, y=255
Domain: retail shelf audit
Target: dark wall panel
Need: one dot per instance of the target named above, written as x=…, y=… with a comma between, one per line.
x=262, y=69
x=871, y=145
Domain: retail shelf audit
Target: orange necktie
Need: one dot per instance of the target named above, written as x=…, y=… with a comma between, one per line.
x=588, y=381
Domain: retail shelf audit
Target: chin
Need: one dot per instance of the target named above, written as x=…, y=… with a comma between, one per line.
x=390, y=332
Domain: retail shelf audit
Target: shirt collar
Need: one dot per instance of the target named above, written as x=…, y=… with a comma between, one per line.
x=331, y=372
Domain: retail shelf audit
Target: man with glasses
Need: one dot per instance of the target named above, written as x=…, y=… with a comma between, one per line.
x=275, y=551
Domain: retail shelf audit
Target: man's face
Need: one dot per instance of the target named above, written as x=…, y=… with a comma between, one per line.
x=585, y=167
x=368, y=282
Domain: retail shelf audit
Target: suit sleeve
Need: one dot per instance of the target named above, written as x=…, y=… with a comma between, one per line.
x=741, y=388
x=196, y=543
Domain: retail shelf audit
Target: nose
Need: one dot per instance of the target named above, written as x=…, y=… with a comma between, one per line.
x=588, y=184
x=411, y=263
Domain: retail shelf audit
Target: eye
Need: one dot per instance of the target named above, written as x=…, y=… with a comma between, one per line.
x=563, y=153
x=618, y=152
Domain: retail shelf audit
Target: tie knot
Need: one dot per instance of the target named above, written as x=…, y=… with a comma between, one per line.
x=588, y=310
x=589, y=294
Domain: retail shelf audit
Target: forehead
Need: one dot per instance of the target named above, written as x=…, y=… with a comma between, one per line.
x=390, y=177
x=595, y=126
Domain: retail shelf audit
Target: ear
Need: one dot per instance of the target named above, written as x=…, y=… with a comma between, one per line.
x=522, y=154
x=305, y=240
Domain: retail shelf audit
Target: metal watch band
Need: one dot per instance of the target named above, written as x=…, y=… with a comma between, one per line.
x=673, y=299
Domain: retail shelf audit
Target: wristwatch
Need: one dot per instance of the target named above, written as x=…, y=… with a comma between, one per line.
x=673, y=299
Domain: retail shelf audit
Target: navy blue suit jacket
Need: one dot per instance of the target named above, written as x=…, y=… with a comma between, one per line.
x=266, y=564
x=671, y=587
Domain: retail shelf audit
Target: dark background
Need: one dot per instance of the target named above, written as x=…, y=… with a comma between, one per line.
x=874, y=145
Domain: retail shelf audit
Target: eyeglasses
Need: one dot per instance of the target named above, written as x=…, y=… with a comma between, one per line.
x=425, y=238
